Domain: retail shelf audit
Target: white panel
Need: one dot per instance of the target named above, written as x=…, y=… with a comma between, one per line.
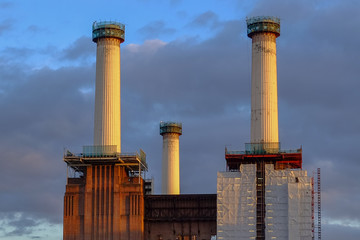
x=236, y=204
x=288, y=204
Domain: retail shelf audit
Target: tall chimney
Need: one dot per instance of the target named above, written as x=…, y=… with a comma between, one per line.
x=107, y=125
x=264, y=101
x=170, y=157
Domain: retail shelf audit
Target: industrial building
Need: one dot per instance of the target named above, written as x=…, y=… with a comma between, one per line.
x=263, y=194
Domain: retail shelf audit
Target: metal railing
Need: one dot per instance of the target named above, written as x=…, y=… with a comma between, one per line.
x=94, y=151
x=170, y=127
x=253, y=20
x=99, y=150
x=262, y=148
x=108, y=24
x=270, y=147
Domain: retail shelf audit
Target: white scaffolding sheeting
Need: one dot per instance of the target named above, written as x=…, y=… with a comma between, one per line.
x=236, y=204
x=288, y=204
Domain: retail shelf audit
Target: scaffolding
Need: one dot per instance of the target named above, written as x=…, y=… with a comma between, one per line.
x=260, y=200
x=268, y=152
x=319, y=203
x=316, y=208
x=312, y=207
x=134, y=162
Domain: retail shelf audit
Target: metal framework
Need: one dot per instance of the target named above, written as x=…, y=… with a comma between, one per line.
x=312, y=207
x=260, y=200
x=263, y=24
x=319, y=203
x=170, y=127
x=134, y=162
x=108, y=29
x=290, y=159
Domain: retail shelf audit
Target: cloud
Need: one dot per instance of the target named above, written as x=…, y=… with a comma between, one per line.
x=25, y=226
x=35, y=29
x=155, y=30
x=37, y=126
x=333, y=232
x=5, y=5
x=5, y=25
x=81, y=49
x=206, y=19
x=22, y=226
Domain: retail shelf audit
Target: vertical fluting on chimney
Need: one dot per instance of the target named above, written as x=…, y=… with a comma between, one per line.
x=170, y=157
x=264, y=101
x=107, y=119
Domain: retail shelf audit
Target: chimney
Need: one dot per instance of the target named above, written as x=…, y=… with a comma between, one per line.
x=264, y=101
x=107, y=121
x=170, y=157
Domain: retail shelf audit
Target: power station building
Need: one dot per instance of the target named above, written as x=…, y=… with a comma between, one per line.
x=263, y=194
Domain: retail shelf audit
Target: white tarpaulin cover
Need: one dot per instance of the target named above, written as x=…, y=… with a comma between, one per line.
x=288, y=204
x=236, y=204
x=287, y=198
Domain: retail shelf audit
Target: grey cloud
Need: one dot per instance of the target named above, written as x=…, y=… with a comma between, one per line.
x=156, y=29
x=35, y=29
x=22, y=227
x=334, y=232
x=183, y=70
x=44, y=114
x=286, y=10
x=5, y=25
x=16, y=224
x=16, y=54
x=206, y=19
x=6, y=4
x=82, y=48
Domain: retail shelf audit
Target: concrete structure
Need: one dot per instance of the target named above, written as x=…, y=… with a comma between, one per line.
x=264, y=194
x=107, y=127
x=264, y=100
x=104, y=196
x=170, y=157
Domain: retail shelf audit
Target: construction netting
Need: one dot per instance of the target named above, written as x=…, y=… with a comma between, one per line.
x=236, y=204
x=288, y=204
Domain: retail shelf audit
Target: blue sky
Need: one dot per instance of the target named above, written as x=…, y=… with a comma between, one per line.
x=186, y=61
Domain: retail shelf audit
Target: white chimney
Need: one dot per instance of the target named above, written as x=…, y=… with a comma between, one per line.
x=170, y=157
x=264, y=100
x=107, y=125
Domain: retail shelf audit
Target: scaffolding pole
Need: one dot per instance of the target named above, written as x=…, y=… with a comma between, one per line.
x=312, y=207
x=319, y=203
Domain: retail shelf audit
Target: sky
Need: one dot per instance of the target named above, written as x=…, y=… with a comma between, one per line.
x=185, y=61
